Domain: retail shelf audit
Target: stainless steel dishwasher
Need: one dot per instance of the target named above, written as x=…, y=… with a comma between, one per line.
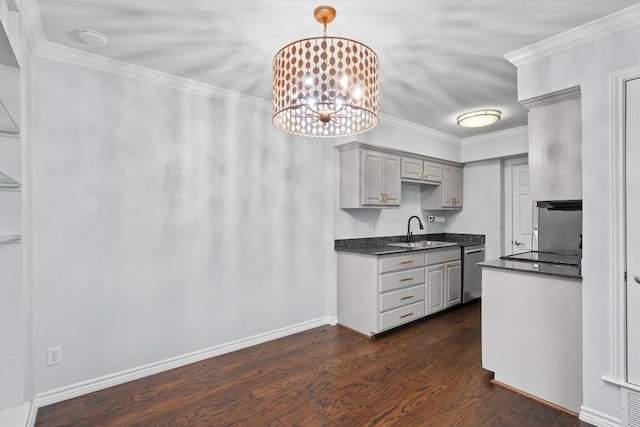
x=471, y=273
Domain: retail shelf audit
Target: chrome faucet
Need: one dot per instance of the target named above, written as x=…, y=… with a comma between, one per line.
x=409, y=233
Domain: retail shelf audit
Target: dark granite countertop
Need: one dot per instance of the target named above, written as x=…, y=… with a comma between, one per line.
x=565, y=271
x=380, y=245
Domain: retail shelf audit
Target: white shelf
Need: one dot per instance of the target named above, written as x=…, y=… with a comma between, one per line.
x=7, y=124
x=8, y=182
x=8, y=239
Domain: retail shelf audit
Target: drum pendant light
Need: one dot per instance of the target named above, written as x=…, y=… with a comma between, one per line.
x=325, y=86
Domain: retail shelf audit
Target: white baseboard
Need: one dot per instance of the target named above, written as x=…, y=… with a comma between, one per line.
x=15, y=417
x=89, y=386
x=598, y=419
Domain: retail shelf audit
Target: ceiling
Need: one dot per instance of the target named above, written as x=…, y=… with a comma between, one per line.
x=438, y=58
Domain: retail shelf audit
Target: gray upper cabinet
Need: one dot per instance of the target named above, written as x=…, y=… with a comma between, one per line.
x=555, y=146
x=447, y=195
x=369, y=178
x=432, y=171
x=418, y=170
x=411, y=169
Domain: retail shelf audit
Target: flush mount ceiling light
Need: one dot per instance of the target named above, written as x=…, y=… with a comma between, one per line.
x=325, y=86
x=92, y=37
x=479, y=118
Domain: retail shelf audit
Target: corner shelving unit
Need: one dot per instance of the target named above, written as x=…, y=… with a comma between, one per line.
x=8, y=127
x=8, y=183
x=15, y=322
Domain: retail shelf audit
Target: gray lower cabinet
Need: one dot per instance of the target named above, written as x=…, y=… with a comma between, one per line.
x=453, y=283
x=378, y=293
x=435, y=288
x=443, y=280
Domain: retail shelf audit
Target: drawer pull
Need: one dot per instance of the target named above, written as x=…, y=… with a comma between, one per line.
x=406, y=262
x=406, y=279
x=407, y=297
x=406, y=315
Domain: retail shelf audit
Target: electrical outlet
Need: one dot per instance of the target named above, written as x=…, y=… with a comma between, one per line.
x=54, y=355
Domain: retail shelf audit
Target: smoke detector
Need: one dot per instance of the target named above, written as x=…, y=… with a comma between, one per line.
x=92, y=37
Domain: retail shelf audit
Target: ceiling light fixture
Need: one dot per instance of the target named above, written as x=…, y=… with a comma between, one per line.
x=479, y=118
x=325, y=86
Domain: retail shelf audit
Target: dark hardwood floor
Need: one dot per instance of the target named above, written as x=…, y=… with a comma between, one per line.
x=426, y=374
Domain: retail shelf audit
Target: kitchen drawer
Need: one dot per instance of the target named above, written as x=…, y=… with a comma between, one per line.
x=401, y=315
x=390, y=300
x=442, y=256
x=402, y=262
x=401, y=279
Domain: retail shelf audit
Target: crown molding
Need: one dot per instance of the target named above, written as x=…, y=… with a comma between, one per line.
x=45, y=49
x=609, y=24
x=552, y=98
x=437, y=135
x=100, y=63
x=501, y=134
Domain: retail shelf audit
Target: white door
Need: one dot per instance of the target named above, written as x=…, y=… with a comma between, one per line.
x=632, y=144
x=522, y=210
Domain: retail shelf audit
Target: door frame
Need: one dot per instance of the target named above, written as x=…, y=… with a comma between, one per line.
x=507, y=177
x=618, y=356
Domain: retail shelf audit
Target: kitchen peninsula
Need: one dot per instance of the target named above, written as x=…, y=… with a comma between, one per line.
x=532, y=328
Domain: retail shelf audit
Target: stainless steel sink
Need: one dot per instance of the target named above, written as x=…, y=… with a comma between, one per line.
x=421, y=244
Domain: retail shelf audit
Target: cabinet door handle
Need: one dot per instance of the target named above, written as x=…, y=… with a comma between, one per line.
x=407, y=297
x=406, y=315
x=637, y=278
x=442, y=267
x=405, y=262
x=407, y=279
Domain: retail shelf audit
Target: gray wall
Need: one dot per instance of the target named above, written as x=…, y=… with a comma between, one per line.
x=166, y=223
